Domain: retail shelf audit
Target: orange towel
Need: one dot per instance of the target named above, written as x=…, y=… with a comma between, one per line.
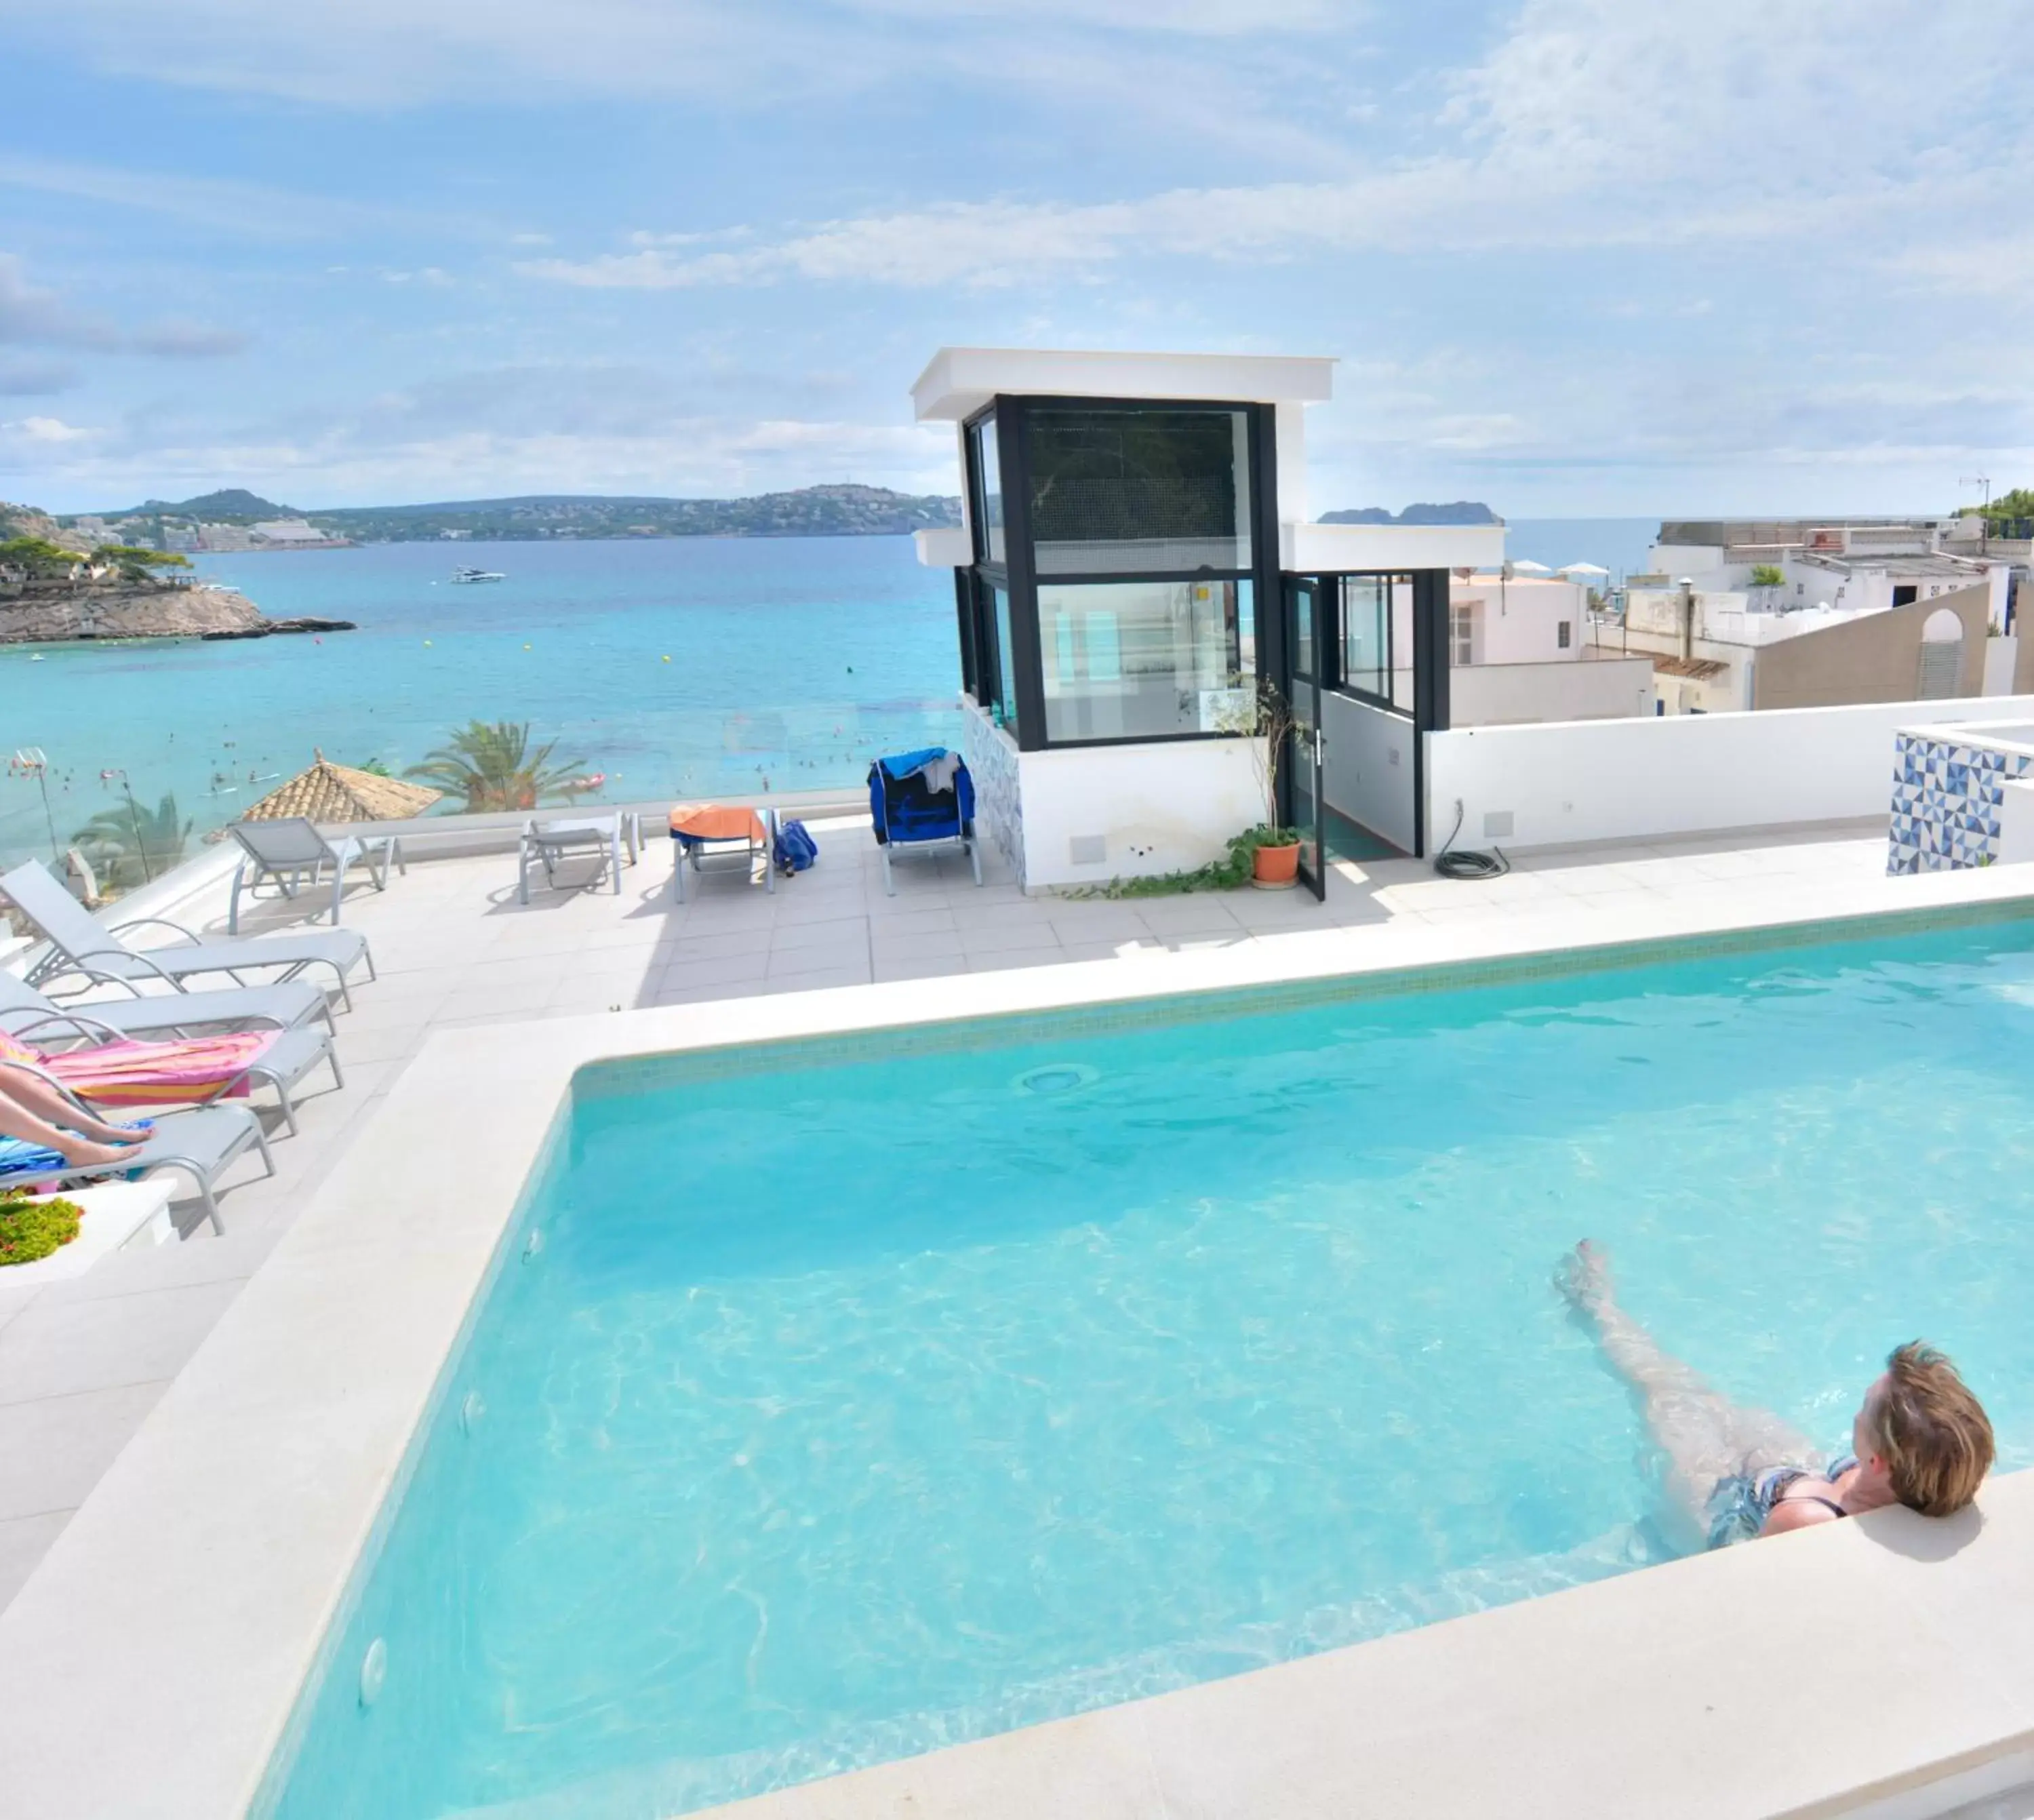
x=708, y=821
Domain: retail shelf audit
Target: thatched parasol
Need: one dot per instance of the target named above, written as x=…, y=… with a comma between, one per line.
x=338, y=793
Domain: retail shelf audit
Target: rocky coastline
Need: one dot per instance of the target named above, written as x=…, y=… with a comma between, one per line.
x=64, y=613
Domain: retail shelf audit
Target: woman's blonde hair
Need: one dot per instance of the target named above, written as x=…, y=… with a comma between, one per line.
x=1932, y=1433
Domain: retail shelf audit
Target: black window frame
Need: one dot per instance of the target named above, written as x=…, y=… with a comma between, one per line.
x=977, y=489
x=1335, y=586
x=1011, y=413
x=969, y=632
x=1033, y=408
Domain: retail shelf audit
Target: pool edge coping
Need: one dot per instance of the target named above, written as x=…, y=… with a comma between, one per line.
x=210, y=1565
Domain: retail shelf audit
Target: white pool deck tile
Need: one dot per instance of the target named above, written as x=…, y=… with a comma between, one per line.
x=84, y=1364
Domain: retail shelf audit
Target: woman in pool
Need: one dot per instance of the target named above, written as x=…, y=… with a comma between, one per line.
x=1919, y=1439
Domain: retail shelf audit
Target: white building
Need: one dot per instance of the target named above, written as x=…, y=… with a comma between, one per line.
x=1136, y=556
x=290, y=534
x=1520, y=650
x=1726, y=601
x=1792, y=565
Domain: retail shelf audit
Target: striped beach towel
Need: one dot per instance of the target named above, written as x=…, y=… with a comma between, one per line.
x=138, y=1074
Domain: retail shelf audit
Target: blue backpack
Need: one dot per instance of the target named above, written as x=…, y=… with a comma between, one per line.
x=796, y=850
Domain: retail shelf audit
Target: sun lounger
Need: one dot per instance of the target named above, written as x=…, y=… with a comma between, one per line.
x=83, y=946
x=696, y=826
x=192, y=1071
x=289, y=852
x=285, y=1004
x=549, y=842
x=200, y=1143
x=922, y=799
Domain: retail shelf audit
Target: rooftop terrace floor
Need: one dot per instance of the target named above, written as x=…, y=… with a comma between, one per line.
x=83, y=1361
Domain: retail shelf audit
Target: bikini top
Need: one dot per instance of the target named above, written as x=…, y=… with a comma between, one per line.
x=1774, y=1487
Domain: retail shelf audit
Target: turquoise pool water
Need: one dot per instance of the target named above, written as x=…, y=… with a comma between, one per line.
x=846, y=1410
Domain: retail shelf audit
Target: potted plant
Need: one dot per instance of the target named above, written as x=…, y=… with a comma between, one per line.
x=1275, y=855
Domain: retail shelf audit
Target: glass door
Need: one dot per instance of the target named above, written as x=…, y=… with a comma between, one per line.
x=1306, y=642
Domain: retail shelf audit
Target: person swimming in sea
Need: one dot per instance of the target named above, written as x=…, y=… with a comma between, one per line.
x=1919, y=1438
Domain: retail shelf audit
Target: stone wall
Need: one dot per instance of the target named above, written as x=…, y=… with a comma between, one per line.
x=999, y=793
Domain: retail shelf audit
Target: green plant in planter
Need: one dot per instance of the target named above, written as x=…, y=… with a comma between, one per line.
x=32, y=1229
x=1767, y=575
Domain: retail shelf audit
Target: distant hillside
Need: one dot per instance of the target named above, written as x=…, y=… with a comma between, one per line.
x=27, y=521
x=1456, y=512
x=839, y=510
x=221, y=508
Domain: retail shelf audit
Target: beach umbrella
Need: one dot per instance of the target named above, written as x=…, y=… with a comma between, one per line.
x=1581, y=569
x=338, y=793
x=1527, y=566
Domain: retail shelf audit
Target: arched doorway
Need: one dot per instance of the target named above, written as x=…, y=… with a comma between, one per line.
x=1942, y=657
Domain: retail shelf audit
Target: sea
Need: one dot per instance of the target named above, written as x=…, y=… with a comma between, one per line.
x=680, y=667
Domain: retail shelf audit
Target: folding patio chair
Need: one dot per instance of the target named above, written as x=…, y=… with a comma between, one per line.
x=289, y=852
x=923, y=799
x=282, y=1004
x=601, y=835
x=80, y=944
x=700, y=832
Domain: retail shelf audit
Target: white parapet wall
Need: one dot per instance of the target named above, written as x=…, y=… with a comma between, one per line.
x=1096, y=812
x=1601, y=780
x=1368, y=773
x=1512, y=694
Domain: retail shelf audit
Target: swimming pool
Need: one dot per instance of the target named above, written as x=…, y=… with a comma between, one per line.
x=830, y=1407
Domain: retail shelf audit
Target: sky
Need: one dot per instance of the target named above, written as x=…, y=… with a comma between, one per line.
x=1577, y=257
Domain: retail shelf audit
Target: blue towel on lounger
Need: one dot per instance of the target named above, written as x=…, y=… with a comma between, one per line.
x=19, y=1157
x=904, y=809
x=906, y=763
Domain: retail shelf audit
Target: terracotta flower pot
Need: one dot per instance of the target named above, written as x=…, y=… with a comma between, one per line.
x=1275, y=867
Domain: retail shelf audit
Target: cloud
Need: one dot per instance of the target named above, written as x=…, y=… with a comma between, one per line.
x=48, y=429
x=32, y=376
x=591, y=427
x=32, y=313
x=378, y=53
x=253, y=210
x=1527, y=157
x=189, y=341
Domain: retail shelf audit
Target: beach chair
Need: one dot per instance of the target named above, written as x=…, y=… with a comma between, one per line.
x=284, y=1004
x=290, y=852
x=697, y=829
x=601, y=835
x=82, y=945
x=923, y=799
x=201, y=1143
x=116, y=1070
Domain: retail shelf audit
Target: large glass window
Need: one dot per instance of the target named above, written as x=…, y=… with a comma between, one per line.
x=985, y=485
x=1144, y=659
x=1004, y=705
x=1377, y=637
x=967, y=614
x=1116, y=492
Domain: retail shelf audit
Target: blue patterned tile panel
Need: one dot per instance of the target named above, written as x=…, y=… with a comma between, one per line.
x=1947, y=794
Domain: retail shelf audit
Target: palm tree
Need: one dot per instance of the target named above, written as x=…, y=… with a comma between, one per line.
x=126, y=846
x=494, y=768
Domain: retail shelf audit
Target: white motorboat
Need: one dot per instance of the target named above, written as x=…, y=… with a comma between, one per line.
x=478, y=575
